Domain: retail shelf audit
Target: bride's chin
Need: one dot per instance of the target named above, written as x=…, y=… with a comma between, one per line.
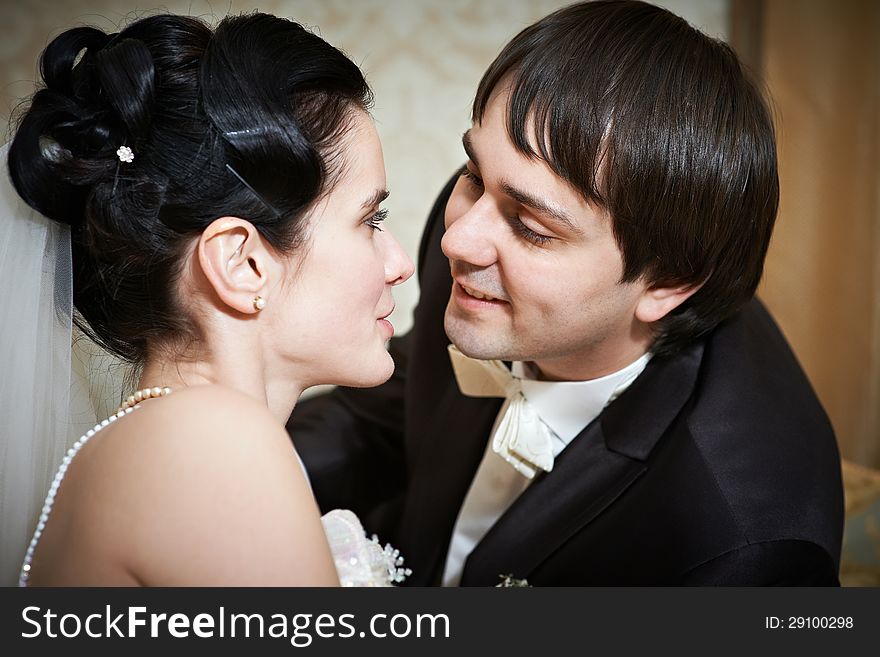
x=372, y=372
x=384, y=368
x=372, y=368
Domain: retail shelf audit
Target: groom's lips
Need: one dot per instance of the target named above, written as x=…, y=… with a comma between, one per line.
x=474, y=298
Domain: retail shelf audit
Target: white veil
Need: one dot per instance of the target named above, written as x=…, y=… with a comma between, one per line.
x=44, y=404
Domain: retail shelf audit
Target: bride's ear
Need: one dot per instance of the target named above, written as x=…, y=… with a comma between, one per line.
x=236, y=262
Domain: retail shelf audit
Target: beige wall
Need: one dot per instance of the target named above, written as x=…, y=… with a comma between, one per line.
x=822, y=65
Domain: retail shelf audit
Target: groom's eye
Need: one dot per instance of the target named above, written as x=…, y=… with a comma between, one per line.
x=527, y=233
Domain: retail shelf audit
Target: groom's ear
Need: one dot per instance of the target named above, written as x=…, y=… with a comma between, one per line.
x=657, y=302
x=236, y=261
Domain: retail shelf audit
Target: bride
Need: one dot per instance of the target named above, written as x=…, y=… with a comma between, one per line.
x=222, y=190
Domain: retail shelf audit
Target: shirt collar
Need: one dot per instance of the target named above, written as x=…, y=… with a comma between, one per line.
x=568, y=406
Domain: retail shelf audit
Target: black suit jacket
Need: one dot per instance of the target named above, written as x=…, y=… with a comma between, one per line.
x=716, y=466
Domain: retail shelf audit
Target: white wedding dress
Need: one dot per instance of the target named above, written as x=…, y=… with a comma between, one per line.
x=360, y=561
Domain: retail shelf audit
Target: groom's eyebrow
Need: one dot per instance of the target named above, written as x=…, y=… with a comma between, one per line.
x=547, y=208
x=376, y=198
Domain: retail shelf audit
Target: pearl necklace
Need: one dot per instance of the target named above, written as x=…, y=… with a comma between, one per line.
x=141, y=395
x=127, y=406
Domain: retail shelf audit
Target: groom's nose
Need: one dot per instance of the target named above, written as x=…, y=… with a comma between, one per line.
x=470, y=233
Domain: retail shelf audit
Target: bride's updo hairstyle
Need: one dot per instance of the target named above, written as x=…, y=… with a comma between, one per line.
x=245, y=120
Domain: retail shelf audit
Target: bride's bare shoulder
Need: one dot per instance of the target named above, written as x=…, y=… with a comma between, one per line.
x=209, y=413
x=214, y=482
x=209, y=422
x=203, y=435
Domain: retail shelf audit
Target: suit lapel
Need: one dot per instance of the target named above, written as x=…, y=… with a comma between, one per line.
x=593, y=471
x=450, y=449
x=586, y=478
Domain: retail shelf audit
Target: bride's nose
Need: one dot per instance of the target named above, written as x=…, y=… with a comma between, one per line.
x=398, y=265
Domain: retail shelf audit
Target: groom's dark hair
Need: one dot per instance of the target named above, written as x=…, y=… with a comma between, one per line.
x=660, y=125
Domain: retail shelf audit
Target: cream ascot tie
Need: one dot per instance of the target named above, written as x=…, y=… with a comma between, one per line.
x=519, y=437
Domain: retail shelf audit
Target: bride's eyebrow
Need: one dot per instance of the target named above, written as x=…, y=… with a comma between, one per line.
x=376, y=198
x=468, y=146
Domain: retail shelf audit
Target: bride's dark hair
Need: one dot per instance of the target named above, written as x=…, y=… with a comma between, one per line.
x=244, y=120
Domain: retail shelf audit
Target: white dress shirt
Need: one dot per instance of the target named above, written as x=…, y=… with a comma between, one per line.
x=566, y=407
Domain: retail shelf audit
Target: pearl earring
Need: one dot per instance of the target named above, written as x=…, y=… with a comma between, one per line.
x=259, y=303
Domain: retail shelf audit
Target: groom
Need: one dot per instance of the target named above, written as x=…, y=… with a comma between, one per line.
x=617, y=409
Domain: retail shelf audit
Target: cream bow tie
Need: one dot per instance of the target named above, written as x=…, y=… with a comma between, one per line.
x=520, y=437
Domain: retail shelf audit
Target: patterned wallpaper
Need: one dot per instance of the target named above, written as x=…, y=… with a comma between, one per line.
x=422, y=57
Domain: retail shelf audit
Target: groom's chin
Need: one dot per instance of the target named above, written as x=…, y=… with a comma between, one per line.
x=474, y=342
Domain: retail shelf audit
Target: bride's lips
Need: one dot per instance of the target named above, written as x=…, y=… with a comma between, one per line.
x=385, y=324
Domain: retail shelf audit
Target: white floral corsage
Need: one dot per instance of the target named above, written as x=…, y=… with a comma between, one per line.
x=510, y=580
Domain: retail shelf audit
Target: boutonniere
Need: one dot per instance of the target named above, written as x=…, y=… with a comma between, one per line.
x=510, y=580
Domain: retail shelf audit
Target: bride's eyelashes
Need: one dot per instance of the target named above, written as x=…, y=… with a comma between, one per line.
x=374, y=221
